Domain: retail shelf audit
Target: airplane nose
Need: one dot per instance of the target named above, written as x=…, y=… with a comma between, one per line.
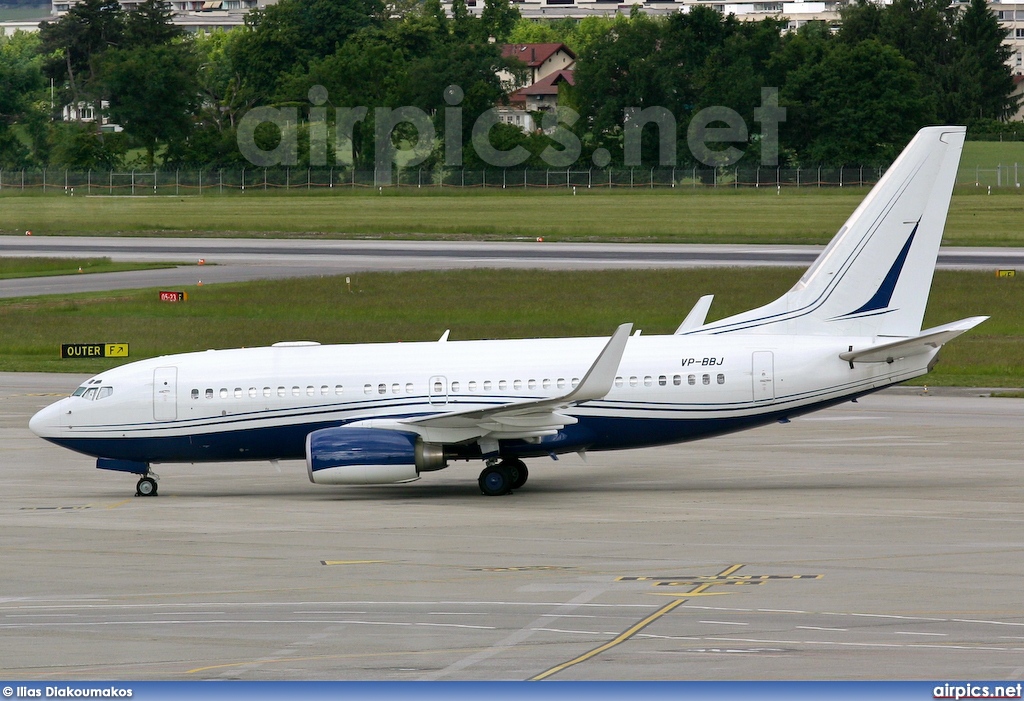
x=46, y=422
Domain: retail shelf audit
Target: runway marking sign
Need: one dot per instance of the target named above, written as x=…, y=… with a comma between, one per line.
x=699, y=583
x=529, y=568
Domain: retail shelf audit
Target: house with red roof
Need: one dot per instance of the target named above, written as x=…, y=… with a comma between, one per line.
x=546, y=67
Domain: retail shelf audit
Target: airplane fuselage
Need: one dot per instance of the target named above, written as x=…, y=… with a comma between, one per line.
x=261, y=403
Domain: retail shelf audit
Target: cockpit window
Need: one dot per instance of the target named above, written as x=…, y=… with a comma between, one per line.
x=79, y=392
x=90, y=394
x=105, y=392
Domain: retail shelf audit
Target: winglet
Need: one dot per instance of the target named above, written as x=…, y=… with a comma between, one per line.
x=695, y=319
x=601, y=376
x=444, y=336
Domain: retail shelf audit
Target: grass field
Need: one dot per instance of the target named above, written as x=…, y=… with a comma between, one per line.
x=473, y=304
x=40, y=267
x=762, y=216
x=987, y=155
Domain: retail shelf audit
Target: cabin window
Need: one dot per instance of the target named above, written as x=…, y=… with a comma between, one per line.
x=517, y=384
x=396, y=388
x=195, y=394
x=105, y=392
x=223, y=392
x=382, y=388
x=487, y=385
x=209, y=393
x=409, y=388
x=706, y=379
x=296, y=391
x=438, y=387
x=532, y=384
x=310, y=390
x=721, y=379
x=561, y=383
x=502, y=385
x=281, y=391
x=547, y=384
x=691, y=379
x=238, y=392
x=253, y=393
x=618, y=381
x=677, y=380
x=472, y=385
x=267, y=391
x=455, y=387
x=662, y=380
x=575, y=381
x=648, y=381
x=367, y=389
x=634, y=381
x=337, y=389
x=324, y=390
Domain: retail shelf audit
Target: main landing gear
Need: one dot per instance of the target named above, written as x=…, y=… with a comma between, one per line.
x=500, y=478
x=146, y=486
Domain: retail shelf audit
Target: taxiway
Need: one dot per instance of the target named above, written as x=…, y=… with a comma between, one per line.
x=876, y=540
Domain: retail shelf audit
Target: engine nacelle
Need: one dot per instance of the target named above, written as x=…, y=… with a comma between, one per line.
x=369, y=456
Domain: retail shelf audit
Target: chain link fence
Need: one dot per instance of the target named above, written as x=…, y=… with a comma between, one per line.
x=191, y=182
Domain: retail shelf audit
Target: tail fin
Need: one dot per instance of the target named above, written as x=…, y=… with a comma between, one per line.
x=873, y=278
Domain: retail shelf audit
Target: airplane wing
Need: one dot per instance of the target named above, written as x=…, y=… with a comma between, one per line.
x=528, y=416
x=523, y=419
x=929, y=340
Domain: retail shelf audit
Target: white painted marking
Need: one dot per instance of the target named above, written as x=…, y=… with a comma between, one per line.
x=994, y=623
x=725, y=623
x=908, y=632
x=781, y=611
x=580, y=632
x=838, y=630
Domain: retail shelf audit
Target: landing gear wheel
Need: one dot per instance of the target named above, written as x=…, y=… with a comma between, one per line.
x=146, y=487
x=519, y=473
x=496, y=480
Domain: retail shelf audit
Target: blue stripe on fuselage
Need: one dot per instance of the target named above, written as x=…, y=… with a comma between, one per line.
x=592, y=433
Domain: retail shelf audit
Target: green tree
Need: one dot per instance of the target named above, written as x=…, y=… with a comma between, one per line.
x=73, y=44
x=150, y=23
x=285, y=37
x=79, y=147
x=153, y=93
x=224, y=98
x=860, y=104
x=498, y=19
x=20, y=80
x=985, y=80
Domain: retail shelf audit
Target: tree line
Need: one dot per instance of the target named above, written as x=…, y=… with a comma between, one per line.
x=852, y=95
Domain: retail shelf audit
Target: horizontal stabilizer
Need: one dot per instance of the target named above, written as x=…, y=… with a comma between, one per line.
x=929, y=340
x=695, y=319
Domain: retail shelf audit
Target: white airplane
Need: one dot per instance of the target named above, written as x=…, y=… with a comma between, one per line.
x=386, y=413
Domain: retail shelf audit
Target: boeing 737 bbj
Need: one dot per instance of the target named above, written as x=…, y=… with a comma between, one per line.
x=387, y=413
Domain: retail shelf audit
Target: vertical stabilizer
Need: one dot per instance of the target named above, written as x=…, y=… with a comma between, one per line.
x=873, y=278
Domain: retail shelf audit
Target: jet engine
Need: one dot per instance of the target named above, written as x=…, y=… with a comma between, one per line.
x=369, y=456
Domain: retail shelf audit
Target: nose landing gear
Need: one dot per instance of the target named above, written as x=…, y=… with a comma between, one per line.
x=146, y=486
